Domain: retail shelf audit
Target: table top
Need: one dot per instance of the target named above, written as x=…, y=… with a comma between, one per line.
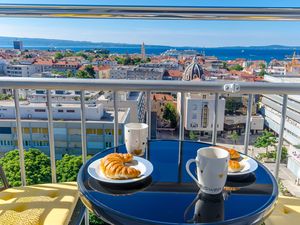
x=170, y=196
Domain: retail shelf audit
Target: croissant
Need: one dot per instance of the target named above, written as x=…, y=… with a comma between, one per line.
x=234, y=166
x=113, y=166
x=232, y=152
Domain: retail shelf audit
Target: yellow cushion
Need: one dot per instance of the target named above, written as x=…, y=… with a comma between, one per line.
x=287, y=211
x=48, y=204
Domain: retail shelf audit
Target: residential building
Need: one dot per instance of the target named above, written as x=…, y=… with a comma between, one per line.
x=18, y=45
x=61, y=96
x=293, y=67
x=238, y=123
x=132, y=99
x=158, y=104
x=18, y=70
x=271, y=109
x=136, y=73
x=199, y=111
x=66, y=121
x=276, y=67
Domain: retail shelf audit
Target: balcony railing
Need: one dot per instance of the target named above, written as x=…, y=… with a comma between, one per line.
x=151, y=12
x=147, y=86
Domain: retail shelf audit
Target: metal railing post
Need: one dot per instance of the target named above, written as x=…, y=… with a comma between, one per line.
x=51, y=136
x=281, y=132
x=181, y=134
x=83, y=127
x=215, y=124
x=148, y=102
x=116, y=120
x=83, y=142
x=248, y=123
x=20, y=137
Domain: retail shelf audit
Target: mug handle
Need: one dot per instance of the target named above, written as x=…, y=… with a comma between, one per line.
x=187, y=167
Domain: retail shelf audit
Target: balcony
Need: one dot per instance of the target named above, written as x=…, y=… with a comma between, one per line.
x=114, y=137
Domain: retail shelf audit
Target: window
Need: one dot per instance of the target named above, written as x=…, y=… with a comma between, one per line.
x=70, y=110
x=26, y=130
x=204, y=116
x=91, y=131
x=60, y=110
x=35, y=130
x=194, y=116
x=204, y=96
x=40, y=110
x=108, y=131
x=44, y=130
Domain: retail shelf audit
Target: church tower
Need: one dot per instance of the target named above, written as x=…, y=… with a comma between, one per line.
x=143, y=51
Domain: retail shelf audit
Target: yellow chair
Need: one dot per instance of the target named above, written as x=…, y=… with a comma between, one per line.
x=47, y=204
x=287, y=211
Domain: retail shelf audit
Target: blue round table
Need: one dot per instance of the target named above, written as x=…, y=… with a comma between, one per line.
x=170, y=196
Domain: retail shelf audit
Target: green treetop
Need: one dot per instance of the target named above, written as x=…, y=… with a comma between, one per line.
x=265, y=140
x=170, y=114
x=236, y=67
x=37, y=166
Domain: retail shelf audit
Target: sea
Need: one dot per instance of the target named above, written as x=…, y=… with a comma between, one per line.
x=223, y=53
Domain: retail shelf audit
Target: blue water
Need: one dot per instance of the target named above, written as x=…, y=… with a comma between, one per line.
x=222, y=53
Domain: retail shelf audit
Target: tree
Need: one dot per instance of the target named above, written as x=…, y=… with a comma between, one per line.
x=262, y=72
x=85, y=56
x=67, y=168
x=265, y=140
x=224, y=65
x=232, y=105
x=58, y=55
x=90, y=70
x=236, y=67
x=69, y=73
x=234, y=137
x=262, y=66
x=83, y=74
x=170, y=114
x=192, y=135
x=5, y=97
x=37, y=166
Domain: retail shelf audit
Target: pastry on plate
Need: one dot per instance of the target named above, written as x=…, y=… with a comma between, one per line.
x=234, y=166
x=114, y=166
x=232, y=152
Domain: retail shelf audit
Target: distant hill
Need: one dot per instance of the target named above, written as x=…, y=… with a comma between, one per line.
x=56, y=43
x=51, y=43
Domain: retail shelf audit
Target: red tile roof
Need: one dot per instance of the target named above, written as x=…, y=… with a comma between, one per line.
x=162, y=97
x=175, y=73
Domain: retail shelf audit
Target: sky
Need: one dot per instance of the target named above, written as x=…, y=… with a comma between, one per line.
x=166, y=32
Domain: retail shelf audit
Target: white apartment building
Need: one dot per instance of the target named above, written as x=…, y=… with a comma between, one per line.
x=60, y=111
x=136, y=73
x=19, y=70
x=239, y=121
x=199, y=111
x=135, y=101
x=272, y=105
x=61, y=96
x=67, y=127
